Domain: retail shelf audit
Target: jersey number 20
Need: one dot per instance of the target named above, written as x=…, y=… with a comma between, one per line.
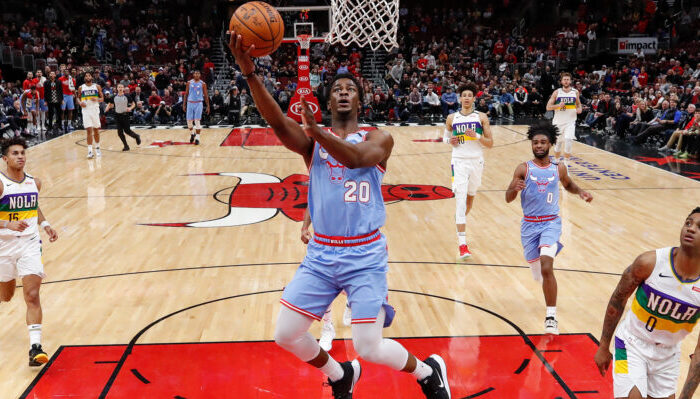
x=357, y=191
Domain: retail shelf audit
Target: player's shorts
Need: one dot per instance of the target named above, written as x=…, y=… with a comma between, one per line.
x=537, y=234
x=43, y=106
x=91, y=118
x=68, y=102
x=194, y=111
x=652, y=368
x=466, y=174
x=357, y=265
x=20, y=256
x=566, y=131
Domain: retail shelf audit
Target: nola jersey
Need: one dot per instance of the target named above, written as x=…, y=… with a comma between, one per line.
x=665, y=308
x=462, y=127
x=196, y=93
x=567, y=115
x=19, y=201
x=344, y=202
x=541, y=194
x=88, y=93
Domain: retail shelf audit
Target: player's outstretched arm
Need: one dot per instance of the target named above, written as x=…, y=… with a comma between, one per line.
x=572, y=187
x=517, y=184
x=693, y=378
x=286, y=129
x=375, y=150
x=487, y=138
x=632, y=278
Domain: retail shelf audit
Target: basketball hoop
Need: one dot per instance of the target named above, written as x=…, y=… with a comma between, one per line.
x=372, y=23
x=304, y=41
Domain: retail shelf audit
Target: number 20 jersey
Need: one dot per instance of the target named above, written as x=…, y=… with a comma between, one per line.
x=665, y=308
x=344, y=202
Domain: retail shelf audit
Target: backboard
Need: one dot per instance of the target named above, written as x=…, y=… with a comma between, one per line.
x=310, y=20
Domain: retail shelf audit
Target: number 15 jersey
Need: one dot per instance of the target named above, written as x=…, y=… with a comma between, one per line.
x=665, y=307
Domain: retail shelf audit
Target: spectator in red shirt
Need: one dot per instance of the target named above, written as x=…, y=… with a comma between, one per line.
x=499, y=48
x=643, y=77
x=154, y=101
x=422, y=63
x=29, y=81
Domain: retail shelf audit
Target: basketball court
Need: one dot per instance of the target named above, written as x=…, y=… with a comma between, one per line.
x=165, y=281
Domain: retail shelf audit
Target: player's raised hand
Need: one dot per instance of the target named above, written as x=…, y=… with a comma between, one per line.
x=307, y=118
x=602, y=359
x=17, y=225
x=243, y=58
x=586, y=196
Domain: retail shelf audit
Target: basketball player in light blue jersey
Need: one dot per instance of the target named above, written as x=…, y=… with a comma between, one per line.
x=347, y=252
x=195, y=94
x=540, y=229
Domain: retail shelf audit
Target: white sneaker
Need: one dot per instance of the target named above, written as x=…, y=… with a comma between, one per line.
x=551, y=326
x=347, y=316
x=98, y=152
x=90, y=155
x=327, y=336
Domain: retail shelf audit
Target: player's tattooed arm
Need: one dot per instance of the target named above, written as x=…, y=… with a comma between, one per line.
x=518, y=182
x=572, y=187
x=693, y=378
x=632, y=278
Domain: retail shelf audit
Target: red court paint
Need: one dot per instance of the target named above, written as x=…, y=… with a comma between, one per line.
x=496, y=366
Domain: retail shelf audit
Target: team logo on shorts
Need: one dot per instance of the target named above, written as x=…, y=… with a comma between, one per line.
x=259, y=197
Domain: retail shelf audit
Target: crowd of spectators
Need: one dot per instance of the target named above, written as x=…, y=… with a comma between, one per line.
x=516, y=70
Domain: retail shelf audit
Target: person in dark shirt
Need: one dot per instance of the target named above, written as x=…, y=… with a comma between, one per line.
x=667, y=120
x=53, y=95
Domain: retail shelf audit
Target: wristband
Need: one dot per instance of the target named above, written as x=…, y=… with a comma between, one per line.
x=45, y=224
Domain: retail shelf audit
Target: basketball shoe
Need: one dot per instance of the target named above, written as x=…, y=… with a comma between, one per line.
x=191, y=137
x=98, y=153
x=90, y=154
x=551, y=326
x=464, y=252
x=327, y=335
x=37, y=356
x=342, y=389
x=435, y=386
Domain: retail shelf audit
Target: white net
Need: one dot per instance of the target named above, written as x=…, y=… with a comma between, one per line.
x=304, y=41
x=372, y=23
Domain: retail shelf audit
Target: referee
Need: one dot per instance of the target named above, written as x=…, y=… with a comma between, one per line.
x=122, y=109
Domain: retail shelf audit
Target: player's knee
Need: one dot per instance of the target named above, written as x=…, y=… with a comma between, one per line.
x=190, y=125
x=367, y=347
x=285, y=337
x=31, y=296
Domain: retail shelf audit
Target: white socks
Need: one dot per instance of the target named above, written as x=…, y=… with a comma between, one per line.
x=422, y=370
x=332, y=369
x=462, y=237
x=34, y=334
x=551, y=311
x=89, y=147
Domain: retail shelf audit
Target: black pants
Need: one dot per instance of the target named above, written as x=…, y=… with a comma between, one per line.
x=654, y=130
x=54, y=110
x=123, y=126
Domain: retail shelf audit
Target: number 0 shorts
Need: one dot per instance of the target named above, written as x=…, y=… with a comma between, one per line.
x=652, y=368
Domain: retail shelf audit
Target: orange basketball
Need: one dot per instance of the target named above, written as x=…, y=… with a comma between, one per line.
x=260, y=24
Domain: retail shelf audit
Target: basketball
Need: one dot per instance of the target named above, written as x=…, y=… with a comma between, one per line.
x=258, y=24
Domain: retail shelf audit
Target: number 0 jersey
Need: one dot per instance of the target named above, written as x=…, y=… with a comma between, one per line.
x=344, y=202
x=19, y=201
x=665, y=308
